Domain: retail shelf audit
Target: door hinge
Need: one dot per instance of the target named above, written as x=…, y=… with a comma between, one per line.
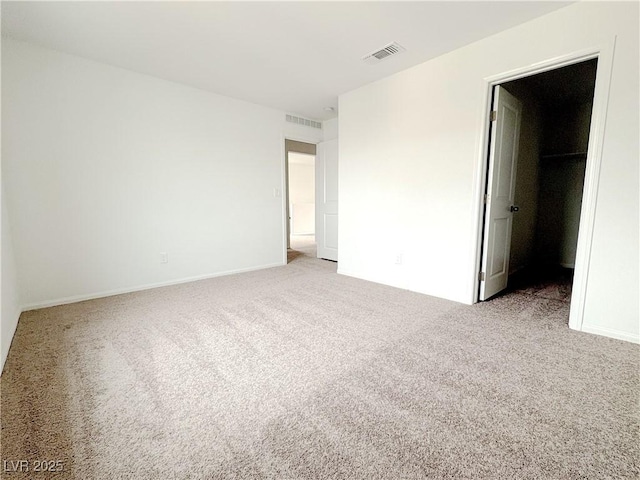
x=486, y=198
x=494, y=115
x=481, y=276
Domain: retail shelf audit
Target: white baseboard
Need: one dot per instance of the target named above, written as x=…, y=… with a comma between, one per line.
x=120, y=291
x=611, y=333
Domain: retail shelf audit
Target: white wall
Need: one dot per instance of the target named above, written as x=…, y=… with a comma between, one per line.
x=410, y=147
x=302, y=193
x=330, y=128
x=10, y=302
x=9, y=296
x=105, y=168
x=301, y=178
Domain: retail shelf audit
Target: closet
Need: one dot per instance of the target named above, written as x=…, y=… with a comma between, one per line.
x=550, y=177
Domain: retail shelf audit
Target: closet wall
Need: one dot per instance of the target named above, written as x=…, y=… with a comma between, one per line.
x=554, y=135
x=562, y=171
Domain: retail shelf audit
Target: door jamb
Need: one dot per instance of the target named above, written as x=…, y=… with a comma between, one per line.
x=604, y=53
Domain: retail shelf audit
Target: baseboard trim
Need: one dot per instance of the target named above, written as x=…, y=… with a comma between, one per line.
x=138, y=288
x=611, y=333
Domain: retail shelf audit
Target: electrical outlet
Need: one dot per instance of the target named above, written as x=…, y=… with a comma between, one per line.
x=399, y=259
x=164, y=257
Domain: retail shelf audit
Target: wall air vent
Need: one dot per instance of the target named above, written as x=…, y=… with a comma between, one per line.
x=385, y=52
x=304, y=121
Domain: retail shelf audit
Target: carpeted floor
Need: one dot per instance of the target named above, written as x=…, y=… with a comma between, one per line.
x=298, y=373
x=548, y=282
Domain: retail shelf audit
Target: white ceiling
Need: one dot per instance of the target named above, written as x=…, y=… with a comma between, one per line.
x=293, y=56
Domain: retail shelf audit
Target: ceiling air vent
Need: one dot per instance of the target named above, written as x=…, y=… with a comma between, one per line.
x=304, y=121
x=385, y=52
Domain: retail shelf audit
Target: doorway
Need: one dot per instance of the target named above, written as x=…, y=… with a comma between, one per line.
x=535, y=180
x=300, y=199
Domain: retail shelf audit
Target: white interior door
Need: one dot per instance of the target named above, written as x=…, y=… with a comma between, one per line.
x=501, y=183
x=327, y=200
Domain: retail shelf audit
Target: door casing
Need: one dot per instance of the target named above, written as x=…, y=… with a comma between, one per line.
x=604, y=54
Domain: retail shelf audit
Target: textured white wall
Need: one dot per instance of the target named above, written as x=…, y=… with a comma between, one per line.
x=106, y=168
x=409, y=149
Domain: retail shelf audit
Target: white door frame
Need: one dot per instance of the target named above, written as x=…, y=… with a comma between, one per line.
x=285, y=185
x=604, y=54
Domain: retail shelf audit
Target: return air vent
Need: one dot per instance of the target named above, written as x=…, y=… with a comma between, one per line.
x=385, y=52
x=304, y=121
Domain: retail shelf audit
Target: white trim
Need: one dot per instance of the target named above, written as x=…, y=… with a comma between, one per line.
x=611, y=333
x=604, y=53
x=591, y=182
x=149, y=286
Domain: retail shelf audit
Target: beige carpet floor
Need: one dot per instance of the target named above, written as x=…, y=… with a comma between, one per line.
x=298, y=373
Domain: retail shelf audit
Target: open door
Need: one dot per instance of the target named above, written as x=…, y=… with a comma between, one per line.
x=501, y=182
x=327, y=200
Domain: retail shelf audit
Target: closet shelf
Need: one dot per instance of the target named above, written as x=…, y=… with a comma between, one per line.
x=559, y=156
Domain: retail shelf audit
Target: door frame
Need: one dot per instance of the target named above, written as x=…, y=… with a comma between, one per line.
x=285, y=185
x=604, y=53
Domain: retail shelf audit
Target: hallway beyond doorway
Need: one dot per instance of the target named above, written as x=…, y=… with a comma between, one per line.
x=301, y=246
